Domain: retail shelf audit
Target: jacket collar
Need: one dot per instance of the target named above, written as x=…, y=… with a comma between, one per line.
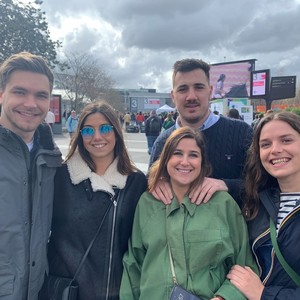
x=80, y=171
x=190, y=207
x=270, y=199
x=42, y=136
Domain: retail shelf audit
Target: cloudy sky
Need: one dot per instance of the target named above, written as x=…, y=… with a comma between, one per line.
x=137, y=41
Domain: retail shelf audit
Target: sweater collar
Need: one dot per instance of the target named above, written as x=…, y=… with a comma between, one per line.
x=80, y=171
x=211, y=120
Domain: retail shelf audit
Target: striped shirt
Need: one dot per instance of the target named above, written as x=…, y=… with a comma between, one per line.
x=288, y=202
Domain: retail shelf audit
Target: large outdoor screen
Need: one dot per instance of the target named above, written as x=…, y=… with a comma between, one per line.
x=260, y=82
x=231, y=79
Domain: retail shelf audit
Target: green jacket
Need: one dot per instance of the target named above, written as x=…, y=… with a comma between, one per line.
x=205, y=241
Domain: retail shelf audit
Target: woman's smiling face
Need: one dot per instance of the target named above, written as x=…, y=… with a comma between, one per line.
x=279, y=146
x=184, y=165
x=100, y=146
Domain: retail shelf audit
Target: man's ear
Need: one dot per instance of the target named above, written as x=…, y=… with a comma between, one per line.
x=210, y=93
x=172, y=96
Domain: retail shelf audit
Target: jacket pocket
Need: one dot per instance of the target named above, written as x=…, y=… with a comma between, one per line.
x=203, y=248
x=6, y=280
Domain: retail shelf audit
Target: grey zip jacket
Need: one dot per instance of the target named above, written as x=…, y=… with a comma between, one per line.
x=26, y=196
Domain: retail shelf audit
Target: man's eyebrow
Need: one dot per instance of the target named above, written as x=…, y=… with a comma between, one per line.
x=43, y=93
x=182, y=85
x=38, y=93
x=18, y=88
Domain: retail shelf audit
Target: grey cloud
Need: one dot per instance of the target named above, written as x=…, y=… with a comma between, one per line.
x=153, y=34
x=81, y=40
x=273, y=33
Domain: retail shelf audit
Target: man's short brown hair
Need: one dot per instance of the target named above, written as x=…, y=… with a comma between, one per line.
x=24, y=61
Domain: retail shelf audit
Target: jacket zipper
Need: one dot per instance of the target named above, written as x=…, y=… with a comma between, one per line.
x=273, y=251
x=115, y=203
x=253, y=245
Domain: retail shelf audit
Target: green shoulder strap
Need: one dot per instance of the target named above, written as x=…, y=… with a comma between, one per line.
x=285, y=265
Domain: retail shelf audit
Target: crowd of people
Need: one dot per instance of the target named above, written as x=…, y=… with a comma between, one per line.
x=212, y=180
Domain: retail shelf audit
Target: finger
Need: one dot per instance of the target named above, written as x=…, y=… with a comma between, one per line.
x=197, y=199
x=196, y=195
x=193, y=195
x=161, y=197
x=200, y=198
x=250, y=270
x=238, y=268
x=208, y=195
x=205, y=194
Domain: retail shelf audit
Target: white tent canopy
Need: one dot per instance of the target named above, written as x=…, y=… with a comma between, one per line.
x=165, y=108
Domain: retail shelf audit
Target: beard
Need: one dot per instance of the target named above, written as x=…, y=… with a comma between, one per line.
x=189, y=120
x=192, y=120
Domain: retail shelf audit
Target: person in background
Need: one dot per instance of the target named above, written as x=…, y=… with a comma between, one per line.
x=227, y=139
x=97, y=175
x=272, y=192
x=121, y=118
x=72, y=123
x=168, y=122
x=152, y=129
x=174, y=115
x=269, y=111
x=28, y=159
x=233, y=113
x=132, y=118
x=257, y=120
x=219, y=89
x=139, y=120
x=202, y=251
x=50, y=118
x=127, y=119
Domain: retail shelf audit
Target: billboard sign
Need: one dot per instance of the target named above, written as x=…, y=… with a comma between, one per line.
x=283, y=87
x=260, y=86
x=55, y=107
x=231, y=79
x=150, y=103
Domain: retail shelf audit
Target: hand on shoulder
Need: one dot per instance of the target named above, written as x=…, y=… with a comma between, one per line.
x=204, y=191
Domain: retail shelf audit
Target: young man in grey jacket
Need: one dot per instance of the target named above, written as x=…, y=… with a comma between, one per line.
x=28, y=162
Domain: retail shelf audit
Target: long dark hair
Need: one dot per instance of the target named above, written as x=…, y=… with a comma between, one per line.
x=125, y=166
x=256, y=177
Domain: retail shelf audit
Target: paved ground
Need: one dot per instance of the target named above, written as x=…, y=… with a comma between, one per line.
x=136, y=144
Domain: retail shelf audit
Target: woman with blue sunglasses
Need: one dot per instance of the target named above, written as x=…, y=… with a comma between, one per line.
x=97, y=177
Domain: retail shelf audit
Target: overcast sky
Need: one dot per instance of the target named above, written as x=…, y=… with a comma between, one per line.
x=137, y=41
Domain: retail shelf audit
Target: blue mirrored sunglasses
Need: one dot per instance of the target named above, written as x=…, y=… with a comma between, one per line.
x=89, y=132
